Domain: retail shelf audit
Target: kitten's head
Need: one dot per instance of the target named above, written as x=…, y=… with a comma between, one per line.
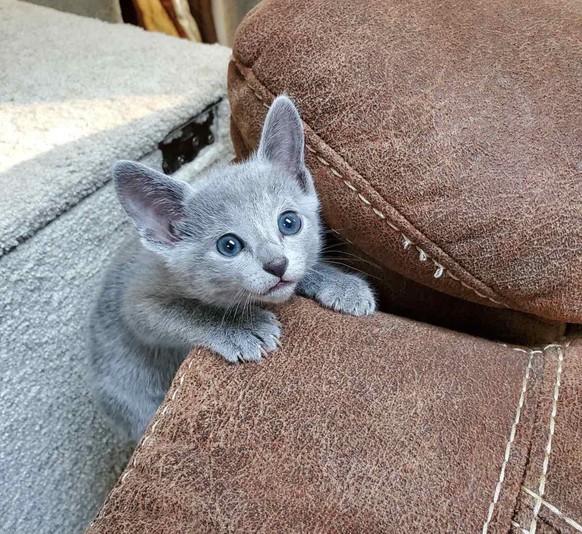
x=246, y=232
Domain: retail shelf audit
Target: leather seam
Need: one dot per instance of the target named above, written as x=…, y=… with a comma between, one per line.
x=509, y=444
x=572, y=522
x=516, y=525
x=548, y=449
x=538, y=497
x=134, y=461
x=440, y=270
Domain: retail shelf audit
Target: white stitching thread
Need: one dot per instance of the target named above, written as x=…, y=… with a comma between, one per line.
x=354, y=189
x=548, y=450
x=519, y=527
x=541, y=350
x=423, y=256
x=552, y=508
x=518, y=349
x=509, y=442
x=340, y=235
x=379, y=213
x=143, y=441
x=440, y=270
x=364, y=200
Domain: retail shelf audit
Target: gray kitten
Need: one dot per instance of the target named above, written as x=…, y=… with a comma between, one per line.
x=207, y=256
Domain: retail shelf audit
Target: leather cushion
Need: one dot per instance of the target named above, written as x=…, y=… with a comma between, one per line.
x=444, y=137
x=374, y=424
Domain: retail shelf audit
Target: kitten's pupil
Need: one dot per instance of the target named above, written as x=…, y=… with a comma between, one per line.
x=230, y=245
x=287, y=222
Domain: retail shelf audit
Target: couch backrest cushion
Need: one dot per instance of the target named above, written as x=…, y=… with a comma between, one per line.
x=445, y=139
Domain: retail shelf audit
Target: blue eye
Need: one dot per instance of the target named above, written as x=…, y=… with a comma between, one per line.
x=289, y=223
x=229, y=245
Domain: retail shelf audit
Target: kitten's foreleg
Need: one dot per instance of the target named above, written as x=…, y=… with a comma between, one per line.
x=339, y=290
x=176, y=323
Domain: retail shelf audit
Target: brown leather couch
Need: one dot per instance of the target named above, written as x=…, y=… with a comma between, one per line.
x=445, y=140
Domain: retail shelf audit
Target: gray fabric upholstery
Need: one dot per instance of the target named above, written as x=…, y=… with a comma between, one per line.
x=71, y=106
x=78, y=90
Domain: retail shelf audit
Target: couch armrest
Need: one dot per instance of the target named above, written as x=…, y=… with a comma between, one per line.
x=376, y=424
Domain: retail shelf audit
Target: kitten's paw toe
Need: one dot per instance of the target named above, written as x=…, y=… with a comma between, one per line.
x=353, y=296
x=268, y=330
x=252, y=339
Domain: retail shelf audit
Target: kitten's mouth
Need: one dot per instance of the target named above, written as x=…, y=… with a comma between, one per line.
x=281, y=284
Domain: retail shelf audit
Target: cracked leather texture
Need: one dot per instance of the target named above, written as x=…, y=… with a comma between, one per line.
x=375, y=424
x=457, y=122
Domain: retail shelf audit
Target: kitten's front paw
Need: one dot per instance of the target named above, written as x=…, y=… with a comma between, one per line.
x=351, y=294
x=249, y=338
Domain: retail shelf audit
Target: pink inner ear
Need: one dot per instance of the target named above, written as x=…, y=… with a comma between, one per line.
x=154, y=202
x=157, y=224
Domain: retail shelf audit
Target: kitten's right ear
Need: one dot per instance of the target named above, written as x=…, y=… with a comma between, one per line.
x=154, y=202
x=282, y=140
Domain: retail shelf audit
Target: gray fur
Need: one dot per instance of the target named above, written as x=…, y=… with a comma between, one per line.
x=171, y=290
x=338, y=290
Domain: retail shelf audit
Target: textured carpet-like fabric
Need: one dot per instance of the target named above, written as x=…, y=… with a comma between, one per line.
x=58, y=457
x=78, y=95
x=444, y=137
x=373, y=425
x=65, y=78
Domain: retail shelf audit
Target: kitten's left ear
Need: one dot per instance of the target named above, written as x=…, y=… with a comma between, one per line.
x=155, y=202
x=282, y=140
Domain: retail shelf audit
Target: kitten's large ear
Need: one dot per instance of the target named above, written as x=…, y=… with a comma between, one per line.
x=282, y=139
x=154, y=201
